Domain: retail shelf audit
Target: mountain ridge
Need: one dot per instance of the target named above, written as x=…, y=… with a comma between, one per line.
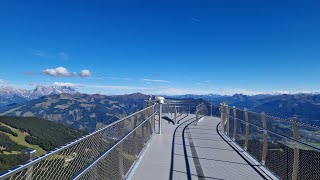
x=82, y=111
x=12, y=95
x=304, y=106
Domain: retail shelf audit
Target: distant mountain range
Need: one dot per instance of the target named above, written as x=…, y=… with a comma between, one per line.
x=306, y=107
x=81, y=111
x=88, y=112
x=11, y=95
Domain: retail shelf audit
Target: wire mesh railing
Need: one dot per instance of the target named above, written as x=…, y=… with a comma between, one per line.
x=107, y=153
x=172, y=110
x=287, y=148
x=201, y=111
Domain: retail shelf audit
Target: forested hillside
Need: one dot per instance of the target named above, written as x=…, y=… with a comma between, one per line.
x=80, y=111
x=19, y=133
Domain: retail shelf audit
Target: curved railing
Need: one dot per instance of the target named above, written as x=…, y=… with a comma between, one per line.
x=288, y=148
x=108, y=152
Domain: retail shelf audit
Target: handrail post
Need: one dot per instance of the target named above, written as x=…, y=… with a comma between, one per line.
x=153, y=119
x=265, y=138
x=245, y=110
x=31, y=153
x=160, y=101
x=160, y=118
x=227, y=119
x=234, y=123
x=296, y=150
x=211, y=110
x=120, y=159
x=197, y=114
x=134, y=134
x=175, y=114
x=222, y=105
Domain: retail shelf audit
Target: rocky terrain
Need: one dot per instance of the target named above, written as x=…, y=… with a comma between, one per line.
x=11, y=95
x=306, y=107
x=80, y=111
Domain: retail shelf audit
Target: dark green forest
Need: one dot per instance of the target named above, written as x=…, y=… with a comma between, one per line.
x=7, y=130
x=48, y=135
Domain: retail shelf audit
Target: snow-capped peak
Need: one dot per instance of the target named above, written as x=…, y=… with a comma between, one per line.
x=40, y=91
x=10, y=95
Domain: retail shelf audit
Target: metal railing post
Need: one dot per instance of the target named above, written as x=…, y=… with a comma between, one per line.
x=265, y=139
x=227, y=120
x=189, y=109
x=222, y=109
x=211, y=110
x=160, y=118
x=154, y=119
x=197, y=113
x=120, y=159
x=175, y=114
x=245, y=110
x=234, y=123
x=31, y=153
x=296, y=150
x=160, y=101
x=134, y=134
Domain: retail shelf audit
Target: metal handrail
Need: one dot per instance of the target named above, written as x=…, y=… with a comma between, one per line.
x=259, y=140
x=80, y=174
x=281, y=119
x=272, y=132
x=30, y=163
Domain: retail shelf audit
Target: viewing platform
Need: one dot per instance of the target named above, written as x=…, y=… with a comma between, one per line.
x=193, y=151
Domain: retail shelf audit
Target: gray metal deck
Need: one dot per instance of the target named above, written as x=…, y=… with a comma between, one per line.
x=189, y=151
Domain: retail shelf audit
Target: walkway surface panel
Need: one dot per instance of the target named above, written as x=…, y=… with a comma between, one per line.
x=192, y=151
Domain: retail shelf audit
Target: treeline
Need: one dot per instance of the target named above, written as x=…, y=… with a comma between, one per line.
x=7, y=130
x=8, y=161
x=6, y=144
x=47, y=134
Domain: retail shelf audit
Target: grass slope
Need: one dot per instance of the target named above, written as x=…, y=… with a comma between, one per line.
x=47, y=134
x=19, y=133
x=21, y=139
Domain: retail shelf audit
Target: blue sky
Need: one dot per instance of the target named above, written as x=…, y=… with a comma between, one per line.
x=162, y=47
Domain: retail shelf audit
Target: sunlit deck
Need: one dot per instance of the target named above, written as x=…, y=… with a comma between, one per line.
x=193, y=151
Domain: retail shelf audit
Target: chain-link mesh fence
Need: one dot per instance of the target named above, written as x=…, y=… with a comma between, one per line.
x=108, y=152
x=287, y=148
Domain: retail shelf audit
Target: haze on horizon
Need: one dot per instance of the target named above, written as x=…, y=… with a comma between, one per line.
x=162, y=47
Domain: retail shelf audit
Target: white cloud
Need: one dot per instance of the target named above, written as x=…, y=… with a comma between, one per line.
x=119, y=87
x=195, y=19
x=64, y=72
x=59, y=71
x=201, y=91
x=108, y=87
x=155, y=80
x=67, y=84
x=45, y=54
x=85, y=73
x=3, y=82
x=178, y=91
x=158, y=90
x=39, y=53
x=63, y=56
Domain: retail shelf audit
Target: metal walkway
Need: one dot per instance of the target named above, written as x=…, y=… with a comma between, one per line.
x=189, y=151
